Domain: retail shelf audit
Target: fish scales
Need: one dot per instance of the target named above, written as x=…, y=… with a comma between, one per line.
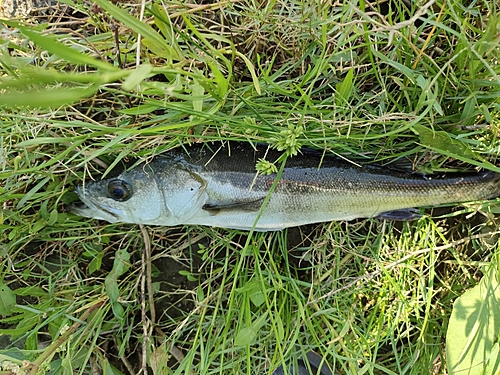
x=218, y=186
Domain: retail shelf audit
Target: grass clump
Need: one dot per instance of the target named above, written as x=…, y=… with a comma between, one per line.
x=94, y=85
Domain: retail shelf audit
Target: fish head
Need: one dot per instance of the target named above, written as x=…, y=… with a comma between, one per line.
x=164, y=192
x=129, y=198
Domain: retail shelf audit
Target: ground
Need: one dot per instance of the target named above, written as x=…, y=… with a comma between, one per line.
x=88, y=87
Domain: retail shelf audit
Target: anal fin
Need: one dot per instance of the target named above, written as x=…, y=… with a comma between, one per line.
x=406, y=214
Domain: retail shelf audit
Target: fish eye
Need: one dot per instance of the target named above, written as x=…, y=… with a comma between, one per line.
x=119, y=190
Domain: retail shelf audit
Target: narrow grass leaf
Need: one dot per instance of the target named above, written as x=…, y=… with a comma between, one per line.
x=251, y=69
x=7, y=299
x=489, y=39
x=43, y=141
x=37, y=76
x=221, y=81
x=155, y=39
x=52, y=45
x=461, y=53
x=280, y=330
x=139, y=110
x=162, y=21
x=409, y=73
x=29, y=195
x=473, y=329
x=53, y=97
x=345, y=88
x=468, y=114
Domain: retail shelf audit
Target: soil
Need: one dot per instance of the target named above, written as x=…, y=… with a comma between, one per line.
x=22, y=9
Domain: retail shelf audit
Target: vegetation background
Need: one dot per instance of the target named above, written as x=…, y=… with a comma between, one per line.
x=87, y=85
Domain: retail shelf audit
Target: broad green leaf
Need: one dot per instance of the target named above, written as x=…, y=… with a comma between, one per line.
x=7, y=299
x=253, y=290
x=248, y=334
x=95, y=263
x=474, y=328
x=493, y=364
x=197, y=91
x=245, y=336
x=188, y=275
x=15, y=332
x=255, y=294
x=33, y=291
x=148, y=33
x=118, y=310
x=158, y=360
x=120, y=266
x=345, y=88
x=53, y=97
x=109, y=369
x=13, y=354
x=443, y=143
x=136, y=77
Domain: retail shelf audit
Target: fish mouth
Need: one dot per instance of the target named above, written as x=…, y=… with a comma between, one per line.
x=87, y=208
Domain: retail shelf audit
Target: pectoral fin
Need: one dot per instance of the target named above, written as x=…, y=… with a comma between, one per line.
x=407, y=214
x=244, y=205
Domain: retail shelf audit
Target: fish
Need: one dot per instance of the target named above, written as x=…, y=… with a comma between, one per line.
x=311, y=363
x=218, y=186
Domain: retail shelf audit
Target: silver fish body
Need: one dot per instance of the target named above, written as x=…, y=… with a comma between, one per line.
x=220, y=188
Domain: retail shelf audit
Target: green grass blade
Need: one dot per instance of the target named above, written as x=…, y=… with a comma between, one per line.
x=61, y=50
x=152, y=38
x=48, y=98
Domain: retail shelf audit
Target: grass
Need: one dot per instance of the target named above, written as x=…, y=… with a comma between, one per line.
x=414, y=85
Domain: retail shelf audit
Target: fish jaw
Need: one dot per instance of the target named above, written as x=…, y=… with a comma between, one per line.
x=87, y=208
